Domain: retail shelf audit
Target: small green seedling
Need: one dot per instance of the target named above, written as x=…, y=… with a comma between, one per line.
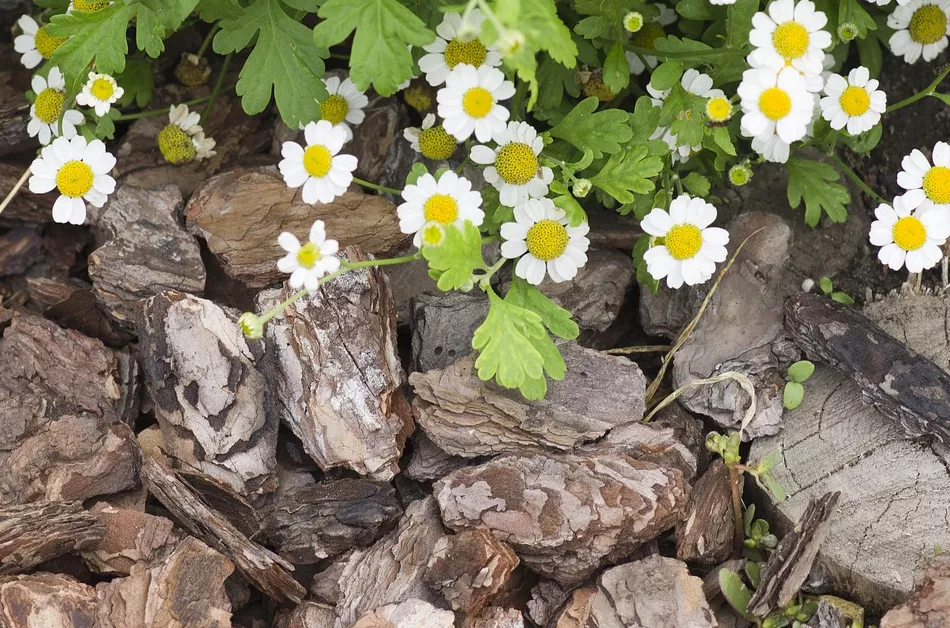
x=829, y=288
x=796, y=375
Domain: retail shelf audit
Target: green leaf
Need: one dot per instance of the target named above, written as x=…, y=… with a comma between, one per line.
x=592, y=27
x=772, y=486
x=600, y=132
x=616, y=69
x=736, y=593
x=696, y=9
x=826, y=285
x=99, y=36
x=418, y=169
x=842, y=297
x=852, y=11
x=793, y=395
x=575, y=213
x=870, y=54
x=214, y=10
x=555, y=318
x=753, y=572
x=644, y=278
x=800, y=371
x=628, y=172
x=696, y=184
x=645, y=117
x=459, y=255
x=105, y=126
x=666, y=75
x=865, y=142
x=816, y=183
x=138, y=81
x=739, y=22
x=723, y=140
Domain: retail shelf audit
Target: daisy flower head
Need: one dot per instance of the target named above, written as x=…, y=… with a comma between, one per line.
x=307, y=263
x=909, y=237
x=431, y=140
x=855, y=102
x=344, y=106
x=48, y=107
x=543, y=242
x=789, y=33
x=183, y=140
x=695, y=83
x=99, y=92
x=87, y=6
x=318, y=166
x=776, y=110
x=687, y=249
x=79, y=170
x=35, y=44
x=646, y=37
x=453, y=48
x=469, y=102
x=192, y=70
x=927, y=185
x=513, y=166
x=433, y=204
x=921, y=28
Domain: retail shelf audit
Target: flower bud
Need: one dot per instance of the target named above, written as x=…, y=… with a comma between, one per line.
x=581, y=188
x=740, y=174
x=251, y=325
x=511, y=41
x=847, y=31
x=633, y=21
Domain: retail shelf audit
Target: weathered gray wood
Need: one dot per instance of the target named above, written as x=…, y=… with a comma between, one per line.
x=33, y=533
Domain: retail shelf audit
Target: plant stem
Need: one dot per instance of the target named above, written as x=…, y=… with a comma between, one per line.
x=462, y=165
x=378, y=188
x=16, y=188
x=696, y=56
x=739, y=533
x=207, y=41
x=637, y=349
x=843, y=167
x=151, y=113
x=216, y=90
x=927, y=91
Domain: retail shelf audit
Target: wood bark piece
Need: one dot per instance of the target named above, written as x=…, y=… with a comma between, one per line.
x=145, y=252
x=919, y=321
x=469, y=568
x=130, y=537
x=468, y=417
x=411, y=613
x=547, y=598
x=184, y=591
x=210, y=394
x=60, y=439
x=391, y=570
x=308, y=615
x=14, y=108
x=930, y=604
x=496, y=617
x=428, y=462
x=339, y=378
x=267, y=571
x=45, y=600
x=33, y=533
x=311, y=523
x=555, y=512
x=20, y=248
x=443, y=325
x=706, y=536
x=241, y=212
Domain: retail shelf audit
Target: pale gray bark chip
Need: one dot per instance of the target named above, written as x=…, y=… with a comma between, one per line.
x=33, y=533
x=410, y=613
x=443, y=325
x=469, y=568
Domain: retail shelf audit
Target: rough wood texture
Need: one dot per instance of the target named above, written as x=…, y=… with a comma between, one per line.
x=919, y=321
x=469, y=568
x=930, y=605
x=241, y=212
x=210, y=394
x=339, y=379
x=130, y=537
x=496, y=617
x=20, y=248
x=184, y=591
x=706, y=536
x=14, y=108
x=60, y=439
x=267, y=571
x=576, y=613
x=392, y=570
x=146, y=251
x=563, y=529
x=468, y=417
x=547, y=597
x=442, y=327
x=37, y=532
x=310, y=523
x=411, y=613
x=308, y=615
x=428, y=462
x=45, y=600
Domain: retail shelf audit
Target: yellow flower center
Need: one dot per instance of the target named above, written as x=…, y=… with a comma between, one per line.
x=432, y=234
x=49, y=105
x=74, y=179
x=419, y=96
x=436, y=143
x=937, y=184
x=647, y=35
x=176, y=145
x=477, y=102
x=471, y=52
x=790, y=40
x=547, y=239
x=317, y=160
x=928, y=24
x=46, y=44
x=334, y=109
x=441, y=208
x=102, y=89
x=909, y=233
x=516, y=163
x=855, y=101
x=718, y=109
x=596, y=87
x=683, y=241
x=308, y=255
x=89, y=6
x=775, y=103
x=192, y=71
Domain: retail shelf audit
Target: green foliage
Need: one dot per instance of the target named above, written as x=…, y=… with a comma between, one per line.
x=453, y=262
x=629, y=172
x=736, y=593
x=800, y=371
x=792, y=395
x=816, y=183
x=828, y=288
x=599, y=132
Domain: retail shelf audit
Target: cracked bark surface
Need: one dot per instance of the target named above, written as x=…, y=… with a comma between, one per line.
x=130, y=537
x=706, y=535
x=47, y=600
x=442, y=327
x=33, y=533
x=930, y=604
x=496, y=617
x=469, y=568
x=410, y=613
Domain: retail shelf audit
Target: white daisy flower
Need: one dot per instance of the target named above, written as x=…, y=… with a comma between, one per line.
x=776, y=110
x=48, y=107
x=921, y=29
x=545, y=242
x=789, y=34
x=926, y=185
x=323, y=173
x=688, y=248
x=183, y=140
x=80, y=171
x=513, y=166
x=693, y=82
x=35, y=44
x=308, y=263
x=449, y=50
x=856, y=102
x=431, y=140
x=99, y=92
x=448, y=201
x=344, y=106
x=909, y=237
x=646, y=38
x=469, y=102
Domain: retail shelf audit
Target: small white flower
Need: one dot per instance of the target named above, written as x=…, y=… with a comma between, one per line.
x=308, y=263
x=448, y=201
x=449, y=50
x=323, y=173
x=695, y=83
x=926, y=185
x=545, y=242
x=183, y=140
x=431, y=140
x=909, y=237
x=99, y=92
x=921, y=28
x=856, y=102
x=35, y=44
x=513, y=166
x=469, y=102
x=689, y=248
x=48, y=107
x=789, y=34
x=776, y=110
x=646, y=38
x=344, y=105
x=79, y=170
